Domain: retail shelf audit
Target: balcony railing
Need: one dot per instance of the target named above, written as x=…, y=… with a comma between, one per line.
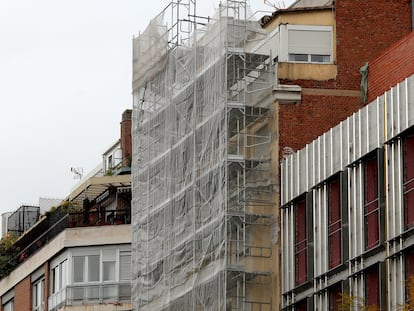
x=100, y=218
x=58, y=221
x=91, y=294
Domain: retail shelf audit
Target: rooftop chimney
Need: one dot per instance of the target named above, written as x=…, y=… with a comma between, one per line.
x=126, y=142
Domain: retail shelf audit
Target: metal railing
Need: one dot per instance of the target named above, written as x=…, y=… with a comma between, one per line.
x=90, y=294
x=58, y=221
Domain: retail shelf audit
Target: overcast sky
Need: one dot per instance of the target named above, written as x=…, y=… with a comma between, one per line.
x=65, y=79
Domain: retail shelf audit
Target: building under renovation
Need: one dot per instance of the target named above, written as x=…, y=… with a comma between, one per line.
x=203, y=186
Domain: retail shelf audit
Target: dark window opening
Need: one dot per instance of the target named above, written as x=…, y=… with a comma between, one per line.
x=409, y=273
x=334, y=223
x=408, y=183
x=301, y=242
x=302, y=306
x=372, y=287
x=335, y=297
x=371, y=203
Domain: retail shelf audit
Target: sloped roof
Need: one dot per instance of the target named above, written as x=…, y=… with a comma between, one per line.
x=311, y=3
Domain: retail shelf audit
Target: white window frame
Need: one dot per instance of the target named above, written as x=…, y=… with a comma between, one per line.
x=38, y=294
x=7, y=301
x=313, y=28
x=9, y=305
x=58, y=276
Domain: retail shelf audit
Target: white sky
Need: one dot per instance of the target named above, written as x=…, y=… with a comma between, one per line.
x=65, y=79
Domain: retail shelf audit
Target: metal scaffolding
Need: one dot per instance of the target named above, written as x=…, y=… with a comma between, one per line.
x=203, y=196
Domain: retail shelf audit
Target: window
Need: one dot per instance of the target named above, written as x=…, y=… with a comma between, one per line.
x=79, y=269
x=409, y=180
x=301, y=242
x=371, y=203
x=8, y=306
x=409, y=274
x=372, y=286
x=108, y=262
x=93, y=268
x=125, y=266
x=335, y=297
x=86, y=268
x=110, y=162
x=38, y=289
x=58, y=277
x=334, y=222
x=311, y=44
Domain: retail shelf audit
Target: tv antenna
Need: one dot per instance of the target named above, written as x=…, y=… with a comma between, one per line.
x=78, y=171
x=279, y=5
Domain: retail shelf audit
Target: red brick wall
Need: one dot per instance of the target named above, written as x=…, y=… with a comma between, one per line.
x=365, y=29
x=301, y=123
x=23, y=295
x=391, y=67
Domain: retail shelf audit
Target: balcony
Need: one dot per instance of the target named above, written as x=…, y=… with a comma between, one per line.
x=90, y=294
x=109, y=203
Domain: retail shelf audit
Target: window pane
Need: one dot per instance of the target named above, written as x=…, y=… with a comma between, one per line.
x=8, y=306
x=109, y=271
x=38, y=290
x=93, y=268
x=63, y=271
x=315, y=58
x=78, y=269
x=298, y=57
x=53, y=281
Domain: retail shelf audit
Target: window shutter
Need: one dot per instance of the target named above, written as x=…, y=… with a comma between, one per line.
x=125, y=267
x=310, y=42
x=108, y=255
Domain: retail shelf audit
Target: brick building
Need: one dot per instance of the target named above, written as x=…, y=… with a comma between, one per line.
x=347, y=200
x=321, y=46
x=77, y=256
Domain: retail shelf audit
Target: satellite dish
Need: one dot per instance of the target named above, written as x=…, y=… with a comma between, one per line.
x=78, y=171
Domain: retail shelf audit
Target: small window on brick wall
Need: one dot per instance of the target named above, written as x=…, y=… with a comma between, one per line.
x=38, y=298
x=371, y=203
x=334, y=222
x=408, y=181
x=310, y=44
x=301, y=242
